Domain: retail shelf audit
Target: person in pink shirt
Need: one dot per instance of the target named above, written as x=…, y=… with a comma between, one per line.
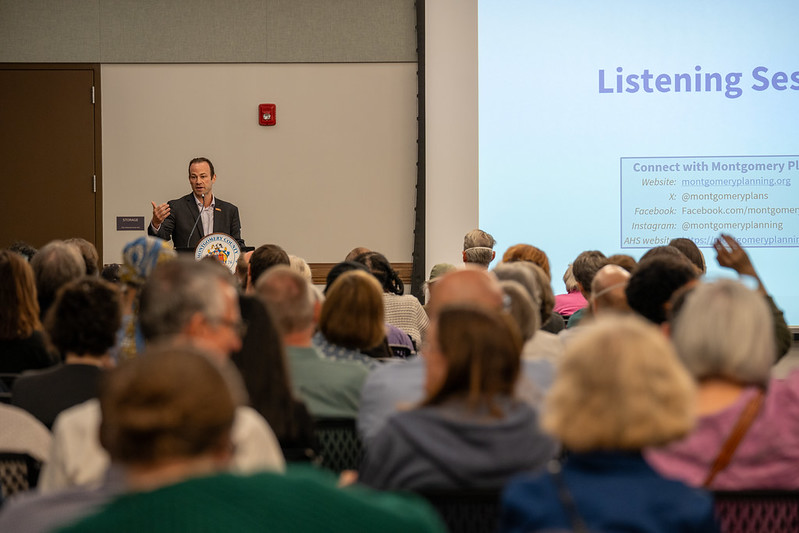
x=573, y=300
x=724, y=334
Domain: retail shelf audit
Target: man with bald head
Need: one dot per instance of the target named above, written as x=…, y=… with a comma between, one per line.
x=399, y=384
x=607, y=290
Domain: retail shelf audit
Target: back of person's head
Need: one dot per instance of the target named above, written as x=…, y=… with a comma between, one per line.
x=525, y=273
x=608, y=289
x=110, y=273
x=691, y=251
x=300, y=265
x=265, y=257
x=438, y=270
x=355, y=252
x=289, y=297
x=655, y=281
x=19, y=308
x=85, y=317
x=381, y=269
x=340, y=268
x=627, y=262
x=353, y=313
x=470, y=287
x=141, y=256
x=521, y=308
x=545, y=286
x=725, y=330
x=585, y=267
x=659, y=251
x=53, y=265
x=478, y=247
x=527, y=252
x=24, y=249
x=176, y=291
x=91, y=259
x=479, y=351
x=619, y=386
x=170, y=404
x=569, y=281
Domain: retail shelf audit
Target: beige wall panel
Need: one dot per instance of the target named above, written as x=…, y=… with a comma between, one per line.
x=451, y=127
x=207, y=31
x=341, y=31
x=53, y=31
x=337, y=171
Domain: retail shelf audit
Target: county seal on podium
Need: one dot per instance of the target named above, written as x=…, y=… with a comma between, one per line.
x=220, y=246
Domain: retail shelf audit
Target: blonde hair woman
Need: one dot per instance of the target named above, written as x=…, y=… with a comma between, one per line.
x=619, y=388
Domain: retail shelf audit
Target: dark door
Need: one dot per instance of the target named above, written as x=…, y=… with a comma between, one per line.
x=47, y=155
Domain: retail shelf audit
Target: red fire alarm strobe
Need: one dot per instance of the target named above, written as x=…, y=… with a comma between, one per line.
x=266, y=115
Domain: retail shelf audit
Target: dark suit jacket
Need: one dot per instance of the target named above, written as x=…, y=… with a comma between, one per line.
x=183, y=214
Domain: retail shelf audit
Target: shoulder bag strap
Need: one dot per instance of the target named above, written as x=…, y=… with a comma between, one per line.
x=748, y=416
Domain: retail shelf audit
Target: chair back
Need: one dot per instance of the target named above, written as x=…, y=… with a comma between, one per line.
x=18, y=472
x=6, y=385
x=757, y=511
x=339, y=444
x=466, y=510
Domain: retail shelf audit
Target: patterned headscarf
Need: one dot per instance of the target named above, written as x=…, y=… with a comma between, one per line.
x=140, y=257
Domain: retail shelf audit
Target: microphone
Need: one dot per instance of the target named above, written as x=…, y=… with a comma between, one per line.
x=199, y=216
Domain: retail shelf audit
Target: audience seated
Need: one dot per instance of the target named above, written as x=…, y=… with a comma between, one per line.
x=167, y=421
x=730, y=254
x=53, y=265
x=139, y=258
x=22, y=341
x=585, y=267
x=478, y=249
x=261, y=361
x=619, y=388
x=608, y=290
x=91, y=259
x=394, y=335
x=543, y=344
x=573, y=300
x=329, y=387
x=692, y=252
x=24, y=249
x=470, y=431
x=262, y=259
x=299, y=264
x=397, y=386
x=183, y=301
x=82, y=324
x=655, y=280
x=401, y=310
x=723, y=333
x=528, y=253
x=352, y=324
x=627, y=262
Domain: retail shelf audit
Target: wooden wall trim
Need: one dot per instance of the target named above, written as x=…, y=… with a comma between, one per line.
x=319, y=272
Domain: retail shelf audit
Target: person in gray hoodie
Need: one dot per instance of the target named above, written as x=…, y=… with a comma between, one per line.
x=469, y=431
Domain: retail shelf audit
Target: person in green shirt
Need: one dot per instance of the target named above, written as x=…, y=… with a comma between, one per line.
x=166, y=420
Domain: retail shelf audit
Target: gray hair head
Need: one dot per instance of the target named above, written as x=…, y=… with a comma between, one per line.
x=289, y=297
x=478, y=247
x=55, y=264
x=521, y=308
x=176, y=291
x=725, y=330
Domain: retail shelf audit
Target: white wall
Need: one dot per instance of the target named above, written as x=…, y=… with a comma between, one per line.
x=337, y=171
x=451, y=129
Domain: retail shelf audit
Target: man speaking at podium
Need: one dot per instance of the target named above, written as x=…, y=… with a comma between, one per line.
x=190, y=218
